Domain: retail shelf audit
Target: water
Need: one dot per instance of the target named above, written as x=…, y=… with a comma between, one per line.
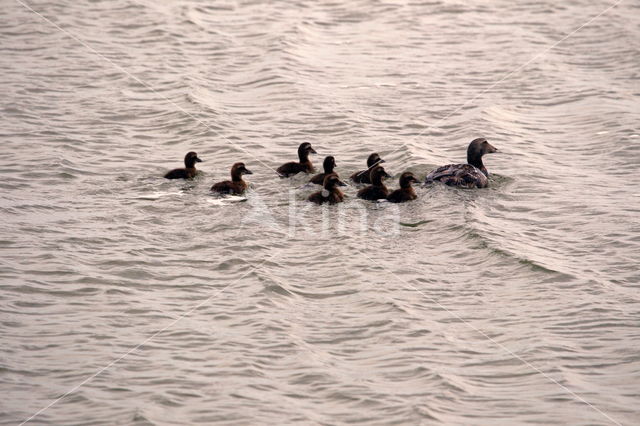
x=145, y=301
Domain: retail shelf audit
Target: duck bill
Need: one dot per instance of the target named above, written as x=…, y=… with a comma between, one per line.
x=312, y=151
x=341, y=183
x=198, y=160
x=247, y=172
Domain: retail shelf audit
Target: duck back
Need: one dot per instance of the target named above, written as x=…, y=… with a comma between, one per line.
x=402, y=195
x=361, y=177
x=318, y=179
x=373, y=192
x=293, y=168
x=335, y=196
x=230, y=187
x=462, y=175
x=180, y=174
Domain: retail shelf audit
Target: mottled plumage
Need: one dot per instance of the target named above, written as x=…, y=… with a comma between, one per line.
x=464, y=175
x=471, y=175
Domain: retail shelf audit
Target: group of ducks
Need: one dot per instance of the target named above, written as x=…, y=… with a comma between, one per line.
x=473, y=174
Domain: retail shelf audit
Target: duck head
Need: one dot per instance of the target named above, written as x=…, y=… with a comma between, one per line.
x=477, y=148
x=377, y=174
x=238, y=170
x=329, y=164
x=332, y=181
x=374, y=159
x=304, y=150
x=191, y=159
x=406, y=179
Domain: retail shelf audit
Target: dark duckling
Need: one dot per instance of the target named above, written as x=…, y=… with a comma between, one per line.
x=293, y=168
x=363, y=176
x=376, y=190
x=406, y=191
x=189, y=171
x=236, y=185
x=330, y=193
x=328, y=165
x=471, y=175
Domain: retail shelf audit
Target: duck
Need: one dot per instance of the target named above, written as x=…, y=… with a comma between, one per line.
x=328, y=165
x=293, y=168
x=236, y=185
x=363, y=175
x=406, y=191
x=189, y=171
x=330, y=192
x=471, y=175
x=376, y=190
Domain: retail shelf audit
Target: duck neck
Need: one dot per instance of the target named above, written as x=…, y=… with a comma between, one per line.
x=236, y=176
x=190, y=164
x=475, y=160
x=328, y=169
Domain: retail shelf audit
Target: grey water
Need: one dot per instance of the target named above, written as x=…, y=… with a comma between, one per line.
x=129, y=299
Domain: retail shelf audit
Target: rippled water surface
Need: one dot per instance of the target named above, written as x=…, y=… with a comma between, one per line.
x=130, y=299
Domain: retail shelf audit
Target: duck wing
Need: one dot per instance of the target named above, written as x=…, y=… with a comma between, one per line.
x=225, y=187
x=373, y=193
x=177, y=174
x=463, y=175
x=361, y=177
x=290, y=169
x=318, y=179
x=317, y=198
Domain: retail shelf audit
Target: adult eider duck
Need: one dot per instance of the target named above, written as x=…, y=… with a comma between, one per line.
x=363, y=175
x=330, y=192
x=471, y=175
x=376, y=190
x=236, y=185
x=189, y=171
x=328, y=165
x=406, y=191
x=293, y=168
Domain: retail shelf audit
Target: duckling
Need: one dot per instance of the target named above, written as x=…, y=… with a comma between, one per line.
x=293, y=168
x=330, y=192
x=406, y=191
x=236, y=185
x=471, y=175
x=328, y=165
x=363, y=175
x=376, y=190
x=189, y=171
